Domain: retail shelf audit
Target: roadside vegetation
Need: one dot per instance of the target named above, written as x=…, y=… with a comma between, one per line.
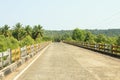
x=110, y=36
x=19, y=36
x=87, y=36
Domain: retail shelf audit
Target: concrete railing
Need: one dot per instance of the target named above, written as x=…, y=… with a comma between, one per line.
x=11, y=59
x=108, y=49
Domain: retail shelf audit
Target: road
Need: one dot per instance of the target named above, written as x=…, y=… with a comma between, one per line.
x=66, y=62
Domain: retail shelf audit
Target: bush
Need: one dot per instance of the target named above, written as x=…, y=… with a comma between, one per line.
x=3, y=44
x=9, y=42
x=12, y=43
x=78, y=35
x=27, y=41
x=46, y=39
x=118, y=41
x=38, y=40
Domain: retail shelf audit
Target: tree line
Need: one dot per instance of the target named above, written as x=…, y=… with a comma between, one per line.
x=87, y=36
x=20, y=35
x=108, y=32
x=58, y=35
x=111, y=36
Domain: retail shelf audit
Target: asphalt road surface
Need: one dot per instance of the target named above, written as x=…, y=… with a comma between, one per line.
x=66, y=62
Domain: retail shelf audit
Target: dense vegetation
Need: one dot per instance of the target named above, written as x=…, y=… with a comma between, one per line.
x=110, y=36
x=20, y=35
x=87, y=36
x=109, y=32
x=58, y=35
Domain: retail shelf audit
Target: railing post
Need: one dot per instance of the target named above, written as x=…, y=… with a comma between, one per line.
x=104, y=47
x=2, y=60
x=10, y=56
x=94, y=46
x=111, y=48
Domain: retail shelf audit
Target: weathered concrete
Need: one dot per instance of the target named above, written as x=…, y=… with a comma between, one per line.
x=66, y=62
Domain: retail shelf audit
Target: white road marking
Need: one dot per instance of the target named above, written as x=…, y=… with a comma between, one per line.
x=30, y=64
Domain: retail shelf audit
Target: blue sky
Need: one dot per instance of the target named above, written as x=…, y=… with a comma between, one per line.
x=62, y=14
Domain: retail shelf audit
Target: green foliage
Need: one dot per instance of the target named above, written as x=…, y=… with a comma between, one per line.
x=27, y=41
x=46, y=39
x=12, y=43
x=78, y=34
x=118, y=41
x=5, y=31
x=19, y=32
x=28, y=30
x=3, y=44
x=38, y=40
x=20, y=36
x=9, y=42
x=85, y=36
x=66, y=37
x=111, y=40
x=37, y=32
x=89, y=37
x=101, y=38
x=57, y=39
x=109, y=32
x=58, y=35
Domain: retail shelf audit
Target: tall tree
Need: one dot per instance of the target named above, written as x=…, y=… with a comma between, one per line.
x=89, y=37
x=19, y=32
x=28, y=30
x=78, y=34
x=5, y=30
x=101, y=38
x=37, y=32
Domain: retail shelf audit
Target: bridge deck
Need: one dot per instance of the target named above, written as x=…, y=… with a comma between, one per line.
x=66, y=62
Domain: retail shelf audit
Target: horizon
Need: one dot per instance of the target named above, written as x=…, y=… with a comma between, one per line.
x=11, y=27
x=85, y=29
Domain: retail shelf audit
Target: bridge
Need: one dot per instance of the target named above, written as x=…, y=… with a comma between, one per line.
x=60, y=61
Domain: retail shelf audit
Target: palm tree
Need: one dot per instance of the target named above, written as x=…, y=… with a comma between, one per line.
x=19, y=32
x=40, y=30
x=37, y=31
x=5, y=30
x=28, y=30
x=0, y=31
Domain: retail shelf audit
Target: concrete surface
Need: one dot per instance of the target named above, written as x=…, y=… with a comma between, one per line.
x=66, y=62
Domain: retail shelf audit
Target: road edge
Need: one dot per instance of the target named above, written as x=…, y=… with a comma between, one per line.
x=40, y=53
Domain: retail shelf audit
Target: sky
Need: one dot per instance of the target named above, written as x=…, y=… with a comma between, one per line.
x=61, y=14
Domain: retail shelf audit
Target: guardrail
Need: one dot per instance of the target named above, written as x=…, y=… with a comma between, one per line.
x=104, y=48
x=11, y=56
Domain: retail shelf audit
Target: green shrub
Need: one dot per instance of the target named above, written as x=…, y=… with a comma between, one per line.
x=3, y=44
x=118, y=41
x=27, y=41
x=46, y=39
x=12, y=43
x=38, y=40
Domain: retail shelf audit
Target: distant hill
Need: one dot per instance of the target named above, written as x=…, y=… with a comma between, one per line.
x=109, y=32
x=57, y=33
